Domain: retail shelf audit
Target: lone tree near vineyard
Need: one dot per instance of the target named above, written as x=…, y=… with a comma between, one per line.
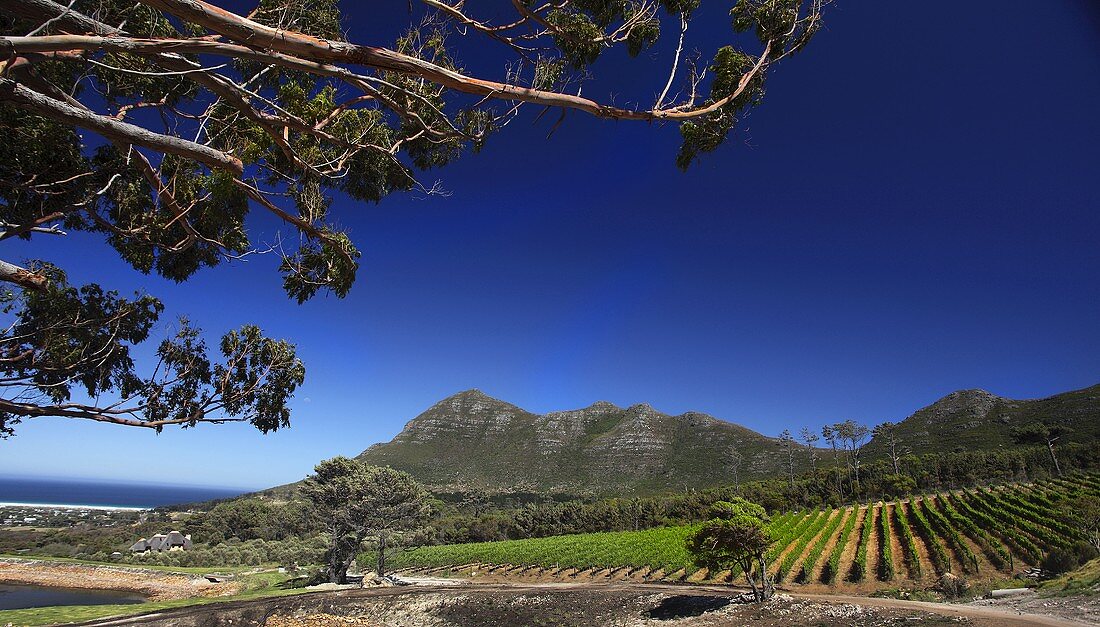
x=736, y=536
x=159, y=125
x=356, y=503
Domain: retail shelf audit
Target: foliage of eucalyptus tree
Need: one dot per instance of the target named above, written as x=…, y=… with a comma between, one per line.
x=159, y=125
x=357, y=503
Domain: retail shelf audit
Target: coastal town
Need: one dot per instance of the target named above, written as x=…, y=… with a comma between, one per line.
x=55, y=516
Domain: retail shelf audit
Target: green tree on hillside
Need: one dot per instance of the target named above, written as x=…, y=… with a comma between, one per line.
x=1041, y=433
x=356, y=503
x=201, y=116
x=736, y=536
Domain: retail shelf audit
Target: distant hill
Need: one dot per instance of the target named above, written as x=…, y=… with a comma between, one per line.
x=977, y=420
x=471, y=440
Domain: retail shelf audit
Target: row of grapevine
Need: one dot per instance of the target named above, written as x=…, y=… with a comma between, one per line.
x=1039, y=497
x=1035, y=513
x=859, y=566
x=832, y=567
x=936, y=552
x=1032, y=524
x=908, y=542
x=792, y=533
x=1022, y=532
x=1020, y=544
x=994, y=551
x=807, y=569
x=885, y=550
x=800, y=544
x=962, y=550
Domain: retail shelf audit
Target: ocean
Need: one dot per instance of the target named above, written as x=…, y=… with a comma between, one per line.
x=105, y=493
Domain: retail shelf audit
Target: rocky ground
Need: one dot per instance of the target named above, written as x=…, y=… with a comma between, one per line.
x=156, y=585
x=617, y=605
x=1080, y=607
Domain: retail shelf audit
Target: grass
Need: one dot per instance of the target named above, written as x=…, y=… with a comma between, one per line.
x=659, y=548
x=256, y=586
x=1084, y=580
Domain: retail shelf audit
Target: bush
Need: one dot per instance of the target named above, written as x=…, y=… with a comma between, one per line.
x=1058, y=561
x=1085, y=552
x=953, y=586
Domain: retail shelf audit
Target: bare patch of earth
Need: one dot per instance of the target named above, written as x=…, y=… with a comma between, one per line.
x=156, y=585
x=582, y=605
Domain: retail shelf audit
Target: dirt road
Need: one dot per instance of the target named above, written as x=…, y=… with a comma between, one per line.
x=582, y=604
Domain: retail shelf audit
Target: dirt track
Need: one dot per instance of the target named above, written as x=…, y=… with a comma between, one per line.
x=155, y=585
x=574, y=604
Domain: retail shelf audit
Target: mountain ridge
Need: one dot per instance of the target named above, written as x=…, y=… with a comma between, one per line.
x=471, y=440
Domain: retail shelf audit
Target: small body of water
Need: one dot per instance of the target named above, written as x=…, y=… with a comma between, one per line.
x=17, y=597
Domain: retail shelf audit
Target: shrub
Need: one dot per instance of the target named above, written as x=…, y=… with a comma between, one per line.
x=952, y=586
x=1058, y=561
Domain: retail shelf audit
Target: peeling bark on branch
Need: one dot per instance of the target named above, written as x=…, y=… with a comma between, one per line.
x=111, y=128
x=22, y=277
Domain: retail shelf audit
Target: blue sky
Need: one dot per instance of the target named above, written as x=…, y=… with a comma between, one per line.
x=912, y=210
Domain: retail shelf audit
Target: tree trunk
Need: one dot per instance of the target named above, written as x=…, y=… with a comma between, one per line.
x=1053, y=457
x=339, y=570
x=381, y=555
x=766, y=589
x=790, y=465
x=751, y=578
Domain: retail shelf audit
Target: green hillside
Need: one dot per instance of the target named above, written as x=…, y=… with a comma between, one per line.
x=975, y=420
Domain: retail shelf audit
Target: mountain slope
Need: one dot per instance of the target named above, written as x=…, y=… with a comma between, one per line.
x=978, y=420
x=471, y=440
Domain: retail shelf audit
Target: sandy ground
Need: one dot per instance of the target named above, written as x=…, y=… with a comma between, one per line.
x=156, y=585
x=619, y=604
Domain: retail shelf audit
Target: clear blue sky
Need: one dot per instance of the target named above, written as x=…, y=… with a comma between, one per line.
x=914, y=209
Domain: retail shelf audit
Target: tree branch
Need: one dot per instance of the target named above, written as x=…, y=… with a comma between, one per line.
x=111, y=128
x=22, y=277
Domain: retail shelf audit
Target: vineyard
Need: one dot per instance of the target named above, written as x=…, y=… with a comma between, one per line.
x=979, y=533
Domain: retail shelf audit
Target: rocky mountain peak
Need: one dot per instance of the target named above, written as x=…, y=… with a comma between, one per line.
x=973, y=402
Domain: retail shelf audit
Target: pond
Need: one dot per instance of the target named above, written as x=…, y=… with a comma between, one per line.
x=15, y=597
